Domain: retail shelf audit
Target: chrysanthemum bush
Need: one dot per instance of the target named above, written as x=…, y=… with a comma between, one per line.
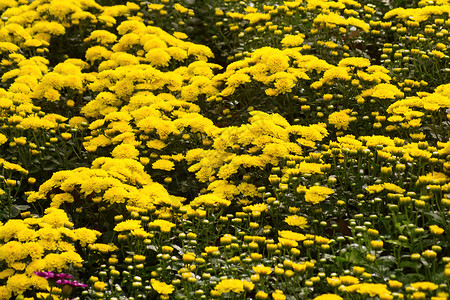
x=224, y=150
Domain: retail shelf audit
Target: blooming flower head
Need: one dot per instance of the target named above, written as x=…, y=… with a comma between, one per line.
x=298, y=221
x=340, y=119
x=164, y=226
x=162, y=287
x=317, y=194
x=211, y=249
x=328, y=297
x=125, y=151
x=436, y=230
x=230, y=285
x=293, y=40
x=18, y=283
x=424, y=286
x=372, y=289
x=348, y=280
x=128, y=225
x=262, y=270
x=295, y=236
x=163, y=164
x=278, y=295
x=46, y=275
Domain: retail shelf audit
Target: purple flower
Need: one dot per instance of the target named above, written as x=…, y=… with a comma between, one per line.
x=78, y=284
x=46, y=275
x=63, y=276
x=72, y=283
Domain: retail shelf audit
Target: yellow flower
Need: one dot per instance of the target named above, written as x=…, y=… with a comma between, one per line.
x=418, y=136
x=384, y=91
x=340, y=119
x=103, y=37
x=180, y=35
x=328, y=297
x=163, y=164
x=349, y=280
x=156, y=144
x=210, y=200
x=230, y=285
x=103, y=248
x=393, y=188
x=158, y=57
x=321, y=240
x=255, y=17
x=211, y=249
x=375, y=188
x=287, y=243
x=66, y=136
x=161, y=287
x=317, y=194
x=3, y=139
x=424, y=286
x=262, y=270
x=154, y=6
x=333, y=281
x=13, y=251
x=418, y=295
x=261, y=207
x=358, y=62
x=139, y=258
x=6, y=274
x=287, y=234
x=178, y=7
x=164, y=226
x=372, y=289
x=284, y=82
x=18, y=283
x=261, y=295
x=116, y=194
x=99, y=286
x=437, y=54
x=436, y=230
x=200, y=52
x=86, y=236
x=238, y=79
x=376, y=245
x=188, y=257
x=298, y=221
x=5, y=293
x=125, y=151
x=128, y=225
x=293, y=40
x=394, y=284
x=77, y=121
x=167, y=249
x=278, y=295
x=55, y=217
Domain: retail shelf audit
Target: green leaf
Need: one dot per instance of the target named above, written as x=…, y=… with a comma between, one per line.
x=409, y=264
x=14, y=211
x=414, y=277
x=152, y=247
x=387, y=258
x=353, y=257
x=394, y=242
x=340, y=259
x=436, y=217
x=22, y=207
x=108, y=237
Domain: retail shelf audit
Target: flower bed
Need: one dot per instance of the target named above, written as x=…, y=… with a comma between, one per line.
x=224, y=149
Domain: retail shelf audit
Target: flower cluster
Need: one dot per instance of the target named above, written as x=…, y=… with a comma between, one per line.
x=32, y=245
x=229, y=150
